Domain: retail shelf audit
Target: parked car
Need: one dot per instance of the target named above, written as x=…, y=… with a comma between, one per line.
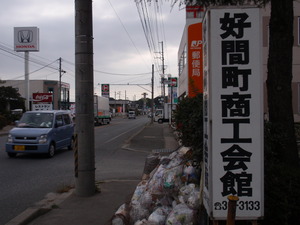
x=41, y=132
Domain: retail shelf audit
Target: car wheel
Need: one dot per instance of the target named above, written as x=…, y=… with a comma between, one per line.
x=71, y=146
x=11, y=155
x=51, y=151
x=160, y=121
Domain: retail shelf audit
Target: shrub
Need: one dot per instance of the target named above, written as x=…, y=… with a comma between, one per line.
x=188, y=118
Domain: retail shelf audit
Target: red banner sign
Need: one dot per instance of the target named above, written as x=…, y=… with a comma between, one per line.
x=42, y=97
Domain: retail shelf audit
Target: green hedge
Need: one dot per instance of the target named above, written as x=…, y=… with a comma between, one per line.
x=188, y=117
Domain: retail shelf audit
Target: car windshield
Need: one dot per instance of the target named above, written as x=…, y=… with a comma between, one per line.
x=36, y=120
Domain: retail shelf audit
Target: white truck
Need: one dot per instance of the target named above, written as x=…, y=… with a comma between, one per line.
x=164, y=115
x=102, y=114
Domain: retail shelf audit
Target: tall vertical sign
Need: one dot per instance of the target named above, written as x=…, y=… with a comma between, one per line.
x=26, y=39
x=233, y=112
x=195, y=60
x=172, y=90
x=105, y=90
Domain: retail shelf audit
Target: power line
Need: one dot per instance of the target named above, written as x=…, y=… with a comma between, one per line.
x=19, y=55
x=126, y=31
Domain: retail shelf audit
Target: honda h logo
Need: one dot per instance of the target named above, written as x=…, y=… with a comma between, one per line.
x=25, y=36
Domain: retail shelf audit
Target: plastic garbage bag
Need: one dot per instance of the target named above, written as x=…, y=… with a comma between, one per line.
x=155, y=184
x=146, y=200
x=190, y=195
x=151, y=163
x=164, y=160
x=137, y=212
x=181, y=215
x=139, y=191
x=193, y=200
x=121, y=216
x=191, y=173
x=144, y=222
x=176, y=160
x=117, y=221
x=159, y=215
x=172, y=179
x=185, y=192
x=165, y=200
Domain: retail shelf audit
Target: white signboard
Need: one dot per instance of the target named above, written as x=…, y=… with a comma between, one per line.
x=26, y=39
x=42, y=107
x=233, y=112
x=42, y=101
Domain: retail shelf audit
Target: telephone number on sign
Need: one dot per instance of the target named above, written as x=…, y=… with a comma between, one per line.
x=241, y=205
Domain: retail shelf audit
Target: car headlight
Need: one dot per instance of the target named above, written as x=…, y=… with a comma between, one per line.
x=43, y=139
x=9, y=138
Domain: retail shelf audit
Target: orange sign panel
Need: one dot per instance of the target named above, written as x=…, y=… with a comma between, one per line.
x=195, y=60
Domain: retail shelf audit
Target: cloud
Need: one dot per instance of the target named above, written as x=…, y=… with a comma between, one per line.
x=120, y=45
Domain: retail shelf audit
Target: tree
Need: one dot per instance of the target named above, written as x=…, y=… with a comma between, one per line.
x=10, y=98
x=188, y=117
x=279, y=80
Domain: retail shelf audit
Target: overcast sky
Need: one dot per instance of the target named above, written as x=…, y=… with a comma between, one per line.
x=121, y=50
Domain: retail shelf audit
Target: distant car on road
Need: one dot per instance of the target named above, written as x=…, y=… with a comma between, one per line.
x=41, y=132
x=131, y=115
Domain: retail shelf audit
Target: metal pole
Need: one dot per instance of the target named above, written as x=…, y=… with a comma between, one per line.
x=152, y=95
x=171, y=103
x=27, y=86
x=231, y=209
x=59, y=91
x=85, y=182
x=163, y=70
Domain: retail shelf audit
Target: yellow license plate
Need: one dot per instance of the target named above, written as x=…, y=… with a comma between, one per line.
x=19, y=147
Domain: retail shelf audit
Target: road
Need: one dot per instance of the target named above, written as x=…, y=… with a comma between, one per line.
x=26, y=179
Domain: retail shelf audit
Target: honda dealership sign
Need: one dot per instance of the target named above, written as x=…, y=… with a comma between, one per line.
x=26, y=39
x=233, y=112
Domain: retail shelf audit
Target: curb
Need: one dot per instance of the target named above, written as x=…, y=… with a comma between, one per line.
x=3, y=133
x=51, y=201
x=27, y=216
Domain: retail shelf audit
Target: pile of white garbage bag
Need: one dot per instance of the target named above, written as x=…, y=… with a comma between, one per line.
x=168, y=193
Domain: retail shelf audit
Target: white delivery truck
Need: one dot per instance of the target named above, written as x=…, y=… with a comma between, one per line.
x=102, y=114
x=164, y=115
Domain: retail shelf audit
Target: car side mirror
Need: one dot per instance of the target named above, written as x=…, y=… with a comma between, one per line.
x=58, y=123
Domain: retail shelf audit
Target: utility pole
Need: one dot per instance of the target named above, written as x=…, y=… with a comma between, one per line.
x=85, y=174
x=163, y=71
x=115, y=103
x=61, y=72
x=144, y=107
x=152, y=97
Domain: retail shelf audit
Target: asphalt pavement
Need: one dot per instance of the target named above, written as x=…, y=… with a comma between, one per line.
x=69, y=209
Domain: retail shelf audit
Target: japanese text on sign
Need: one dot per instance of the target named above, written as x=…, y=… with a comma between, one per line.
x=233, y=118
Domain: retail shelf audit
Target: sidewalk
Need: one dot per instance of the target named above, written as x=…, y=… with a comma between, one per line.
x=69, y=209
x=5, y=130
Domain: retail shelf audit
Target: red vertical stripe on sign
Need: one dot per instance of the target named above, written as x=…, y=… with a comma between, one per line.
x=195, y=60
